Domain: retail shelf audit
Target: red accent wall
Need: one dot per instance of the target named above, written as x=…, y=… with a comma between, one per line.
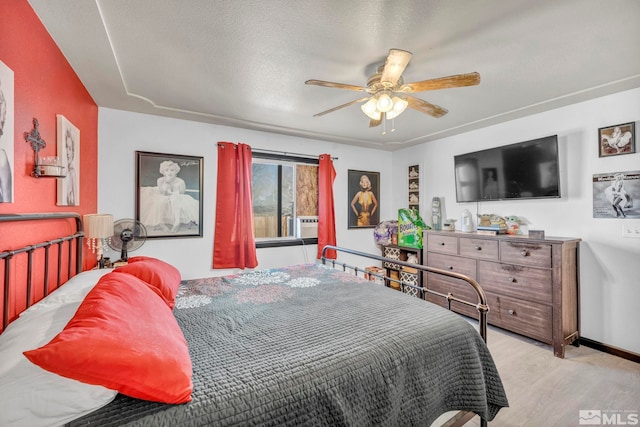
x=44, y=85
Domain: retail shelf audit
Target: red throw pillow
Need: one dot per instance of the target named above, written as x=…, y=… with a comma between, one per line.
x=157, y=273
x=124, y=338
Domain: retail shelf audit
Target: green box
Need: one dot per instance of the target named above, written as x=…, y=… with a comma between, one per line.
x=410, y=227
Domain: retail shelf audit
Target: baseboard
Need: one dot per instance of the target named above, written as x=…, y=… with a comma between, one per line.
x=634, y=357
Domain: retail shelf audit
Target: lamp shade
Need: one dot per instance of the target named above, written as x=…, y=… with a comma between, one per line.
x=369, y=108
x=399, y=105
x=98, y=226
x=384, y=103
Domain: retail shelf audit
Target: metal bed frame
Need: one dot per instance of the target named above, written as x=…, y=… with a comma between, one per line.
x=7, y=257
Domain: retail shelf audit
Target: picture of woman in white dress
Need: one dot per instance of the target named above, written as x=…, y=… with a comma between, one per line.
x=618, y=196
x=167, y=207
x=69, y=152
x=71, y=189
x=615, y=195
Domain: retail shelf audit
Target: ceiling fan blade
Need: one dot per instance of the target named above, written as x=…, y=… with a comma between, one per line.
x=458, y=80
x=335, y=85
x=340, y=106
x=426, y=107
x=373, y=122
x=394, y=66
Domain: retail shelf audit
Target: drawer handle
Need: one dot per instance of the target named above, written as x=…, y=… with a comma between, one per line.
x=512, y=279
x=524, y=253
x=450, y=267
x=512, y=312
x=441, y=243
x=478, y=248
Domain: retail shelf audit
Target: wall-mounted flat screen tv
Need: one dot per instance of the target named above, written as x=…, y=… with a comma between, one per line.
x=525, y=170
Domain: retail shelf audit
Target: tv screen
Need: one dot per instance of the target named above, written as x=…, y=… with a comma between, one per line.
x=526, y=170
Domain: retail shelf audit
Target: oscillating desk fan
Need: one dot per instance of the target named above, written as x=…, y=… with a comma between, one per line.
x=128, y=235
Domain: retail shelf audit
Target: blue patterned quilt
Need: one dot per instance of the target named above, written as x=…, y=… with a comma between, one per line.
x=310, y=345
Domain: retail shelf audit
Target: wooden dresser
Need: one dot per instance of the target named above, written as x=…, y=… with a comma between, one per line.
x=531, y=284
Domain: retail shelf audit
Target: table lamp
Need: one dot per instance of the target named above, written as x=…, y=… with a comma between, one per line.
x=98, y=230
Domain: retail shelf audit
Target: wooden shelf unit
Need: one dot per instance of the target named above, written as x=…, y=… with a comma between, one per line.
x=532, y=285
x=407, y=275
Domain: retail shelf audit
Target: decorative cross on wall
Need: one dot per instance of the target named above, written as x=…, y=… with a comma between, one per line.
x=34, y=138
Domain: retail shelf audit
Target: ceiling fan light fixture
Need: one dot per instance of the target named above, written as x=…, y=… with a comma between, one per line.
x=376, y=115
x=370, y=109
x=391, y=115
x=384, y=104
x=399, y=105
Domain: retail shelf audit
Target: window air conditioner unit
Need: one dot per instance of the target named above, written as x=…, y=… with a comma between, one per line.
x=306, y=226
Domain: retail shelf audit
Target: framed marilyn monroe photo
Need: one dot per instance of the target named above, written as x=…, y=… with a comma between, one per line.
x=363, y=198
x=169, y=194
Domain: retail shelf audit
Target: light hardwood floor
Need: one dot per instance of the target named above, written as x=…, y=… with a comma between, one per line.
x=544, y=390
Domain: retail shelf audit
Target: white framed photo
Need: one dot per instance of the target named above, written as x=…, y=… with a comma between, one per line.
x=616, y=195
x=6, y=134
x=69, y=153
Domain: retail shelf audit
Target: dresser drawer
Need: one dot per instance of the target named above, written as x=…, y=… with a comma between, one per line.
x=522, y=317
x=526, y=253
x=516, y=281
x=479, y=248
x=442, y=244
x=466, y=266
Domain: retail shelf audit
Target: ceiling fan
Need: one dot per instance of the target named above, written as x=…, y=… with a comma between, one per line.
x=388, y=94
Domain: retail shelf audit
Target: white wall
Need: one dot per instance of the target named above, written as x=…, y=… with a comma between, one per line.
x=121, y=133
x=609, y=264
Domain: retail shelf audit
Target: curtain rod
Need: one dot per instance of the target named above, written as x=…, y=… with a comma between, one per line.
x=285, y=153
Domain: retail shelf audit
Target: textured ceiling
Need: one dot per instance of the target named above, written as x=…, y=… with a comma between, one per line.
x=243, y=63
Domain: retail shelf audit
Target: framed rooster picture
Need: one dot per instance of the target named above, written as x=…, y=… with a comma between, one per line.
x=617, y=139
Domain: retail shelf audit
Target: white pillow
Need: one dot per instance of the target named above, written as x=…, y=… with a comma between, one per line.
x=74, y=290
x=29, y=395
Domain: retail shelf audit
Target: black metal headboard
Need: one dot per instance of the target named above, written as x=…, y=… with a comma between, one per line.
x=8, y=255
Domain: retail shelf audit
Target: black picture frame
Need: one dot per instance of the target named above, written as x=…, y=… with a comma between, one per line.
x=359, y=216
x=169, y=206
x=617, y=139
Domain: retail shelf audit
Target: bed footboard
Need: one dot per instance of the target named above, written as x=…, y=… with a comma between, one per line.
x=480, y=304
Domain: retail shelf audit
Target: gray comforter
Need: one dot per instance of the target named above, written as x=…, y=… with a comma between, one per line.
x=309, y=345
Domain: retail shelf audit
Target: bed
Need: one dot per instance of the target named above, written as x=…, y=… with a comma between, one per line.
x=312, y=344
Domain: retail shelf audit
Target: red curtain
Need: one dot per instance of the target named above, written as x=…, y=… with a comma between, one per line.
x=326, y=211
x=234, y=243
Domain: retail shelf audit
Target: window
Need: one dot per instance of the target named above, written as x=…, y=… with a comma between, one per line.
x=284, y=196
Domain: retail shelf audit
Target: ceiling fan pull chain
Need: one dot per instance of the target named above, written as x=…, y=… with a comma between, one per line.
x=393, y=124
x=384, y=123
